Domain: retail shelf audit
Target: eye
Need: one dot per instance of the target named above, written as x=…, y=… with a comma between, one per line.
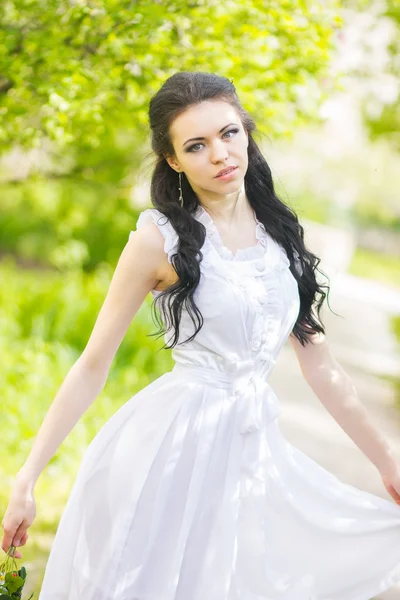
x=231, y=131
x=192, y=148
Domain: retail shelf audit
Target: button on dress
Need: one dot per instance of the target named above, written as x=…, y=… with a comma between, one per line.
x=191, y=492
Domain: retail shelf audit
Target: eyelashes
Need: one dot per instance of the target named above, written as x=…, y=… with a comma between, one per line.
x=191, y=148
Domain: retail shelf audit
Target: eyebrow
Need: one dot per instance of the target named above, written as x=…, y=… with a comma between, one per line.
x=202, y=138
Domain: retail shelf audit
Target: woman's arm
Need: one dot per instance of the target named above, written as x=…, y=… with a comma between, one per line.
x=335, y=389
x=137, y=272
x=79, y=389
x=139, y=269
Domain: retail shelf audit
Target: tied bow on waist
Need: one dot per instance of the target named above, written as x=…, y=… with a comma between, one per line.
x=247, y=381
x=251, y=387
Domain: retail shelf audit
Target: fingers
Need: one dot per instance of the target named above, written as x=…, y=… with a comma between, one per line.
x=21, y=531
x=7, y=538
x=6, y=545
x=16, y=553
x=24, y=539
x=14, y=537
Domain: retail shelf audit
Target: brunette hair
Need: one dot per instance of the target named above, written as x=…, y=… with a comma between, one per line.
x=179, y=92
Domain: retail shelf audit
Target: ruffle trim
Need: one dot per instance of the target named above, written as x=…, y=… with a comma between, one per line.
x=250, y=253
x=171, y=238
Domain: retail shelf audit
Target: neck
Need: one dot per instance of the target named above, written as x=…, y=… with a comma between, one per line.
x=225, y=208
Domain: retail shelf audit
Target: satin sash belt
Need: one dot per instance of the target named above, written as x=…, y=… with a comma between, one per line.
x=246, y=380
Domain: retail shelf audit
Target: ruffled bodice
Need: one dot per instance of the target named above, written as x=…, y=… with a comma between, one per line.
x=250, y=253
x=249, y=300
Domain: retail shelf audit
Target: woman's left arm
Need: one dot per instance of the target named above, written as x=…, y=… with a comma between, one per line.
x=335, y=389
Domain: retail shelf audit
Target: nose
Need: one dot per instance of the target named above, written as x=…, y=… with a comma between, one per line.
x=219, y=152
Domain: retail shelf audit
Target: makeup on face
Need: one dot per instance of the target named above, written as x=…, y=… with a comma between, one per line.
x=191, y=148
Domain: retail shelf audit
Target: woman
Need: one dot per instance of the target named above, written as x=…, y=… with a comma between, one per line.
x=190, y=491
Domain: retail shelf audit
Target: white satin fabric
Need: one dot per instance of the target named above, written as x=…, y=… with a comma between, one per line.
x=190, y=491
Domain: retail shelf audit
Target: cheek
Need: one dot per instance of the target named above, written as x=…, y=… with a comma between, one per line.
x=197, y=168
x=239, y=148
x=244, y=144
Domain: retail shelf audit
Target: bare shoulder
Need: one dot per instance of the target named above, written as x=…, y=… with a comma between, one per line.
x=147, y=244
x=149, y=237
x=138, y=271
x=145, y=248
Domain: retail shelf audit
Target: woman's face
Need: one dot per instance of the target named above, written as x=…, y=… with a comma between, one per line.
x=209, y=137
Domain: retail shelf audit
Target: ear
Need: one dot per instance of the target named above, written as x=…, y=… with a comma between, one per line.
x=173, y=163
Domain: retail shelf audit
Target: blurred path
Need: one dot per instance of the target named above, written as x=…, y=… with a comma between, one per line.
x=363, y=344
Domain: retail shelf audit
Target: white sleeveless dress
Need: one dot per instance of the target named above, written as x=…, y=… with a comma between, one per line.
x=190, y=491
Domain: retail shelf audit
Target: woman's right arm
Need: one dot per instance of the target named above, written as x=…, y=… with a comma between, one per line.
x=139, y=270
x=78, y=390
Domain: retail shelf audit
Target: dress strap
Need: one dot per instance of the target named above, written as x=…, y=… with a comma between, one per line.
x=164, y=225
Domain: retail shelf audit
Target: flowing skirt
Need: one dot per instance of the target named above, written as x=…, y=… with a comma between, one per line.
x=173, y=502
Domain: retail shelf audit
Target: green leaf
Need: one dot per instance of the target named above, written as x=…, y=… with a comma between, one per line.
x=22, y=572
x=13, y=583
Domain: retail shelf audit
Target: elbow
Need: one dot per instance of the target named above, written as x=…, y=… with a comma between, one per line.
x=92, y=365
x=331, y=381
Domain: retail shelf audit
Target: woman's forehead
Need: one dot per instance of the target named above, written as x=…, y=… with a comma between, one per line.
x=203, y=120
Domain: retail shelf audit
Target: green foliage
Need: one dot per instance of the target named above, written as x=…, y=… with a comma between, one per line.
x=395, y=380
x=396, y=326
x=386, y=124
x=79, y=78
x=12, y=579
x=307, y=205
x=372, y=265
x=66, y=224
x=76, y=73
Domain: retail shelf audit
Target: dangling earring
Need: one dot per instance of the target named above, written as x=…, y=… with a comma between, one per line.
x=180, y=190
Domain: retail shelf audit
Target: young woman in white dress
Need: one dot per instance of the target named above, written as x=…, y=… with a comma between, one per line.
x=190, y=491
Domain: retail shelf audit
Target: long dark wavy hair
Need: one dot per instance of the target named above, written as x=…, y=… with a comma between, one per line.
x=179, y=92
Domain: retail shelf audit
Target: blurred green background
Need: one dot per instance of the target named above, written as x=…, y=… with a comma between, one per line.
x=75, y=81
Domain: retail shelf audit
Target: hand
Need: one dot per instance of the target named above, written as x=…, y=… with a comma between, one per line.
x=20, y=514
x=391, y=480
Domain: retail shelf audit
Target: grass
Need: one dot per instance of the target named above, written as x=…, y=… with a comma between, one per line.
x=373, y=265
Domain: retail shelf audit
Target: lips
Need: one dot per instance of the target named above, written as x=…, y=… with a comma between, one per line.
x=227, y=170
